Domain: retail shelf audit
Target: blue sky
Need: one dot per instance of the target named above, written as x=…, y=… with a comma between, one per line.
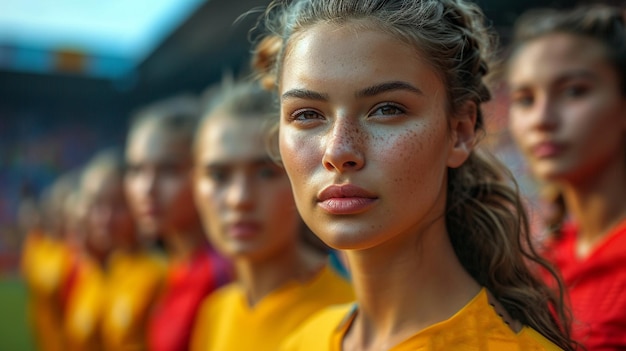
x=123, y=31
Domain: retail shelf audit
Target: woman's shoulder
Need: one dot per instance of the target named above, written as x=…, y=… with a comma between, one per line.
x=329, y=280
x=484, y=319
x=318, y=332
x=228, y=294
x=325, y=288
x=142, y=268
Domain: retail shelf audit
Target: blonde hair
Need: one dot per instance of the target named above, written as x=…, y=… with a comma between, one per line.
x=242, y=99
x=485, y=217
x=239, y=98
x=179, y=115
x=54, y=198
x=108, y=162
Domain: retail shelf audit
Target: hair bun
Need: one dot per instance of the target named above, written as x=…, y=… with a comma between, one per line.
x=264, y=59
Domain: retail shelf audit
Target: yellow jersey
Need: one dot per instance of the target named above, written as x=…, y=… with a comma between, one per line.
x=46, y=268
x=133, y=283
x=226, y=322
x=84, y=308
x=476, y=327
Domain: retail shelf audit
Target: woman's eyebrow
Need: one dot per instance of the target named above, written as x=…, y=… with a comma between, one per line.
x=388, y=86
x=304, y=94
x=576, y=74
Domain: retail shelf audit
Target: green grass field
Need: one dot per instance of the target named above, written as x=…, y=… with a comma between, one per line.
x=14, y=332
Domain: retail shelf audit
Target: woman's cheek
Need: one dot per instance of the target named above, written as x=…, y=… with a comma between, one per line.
x=298, y=153
x=203, y=195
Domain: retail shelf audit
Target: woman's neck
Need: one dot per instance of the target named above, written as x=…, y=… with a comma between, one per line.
x=182, y=244
x=259, y=277
x=100, y=258
x=130, y=246
x=404, y=286
x=597, y=204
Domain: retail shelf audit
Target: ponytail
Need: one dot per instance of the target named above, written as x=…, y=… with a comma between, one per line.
x=488, y=228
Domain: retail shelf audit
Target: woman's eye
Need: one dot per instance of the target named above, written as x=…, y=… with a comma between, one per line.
x=575, y=91
x=522, y=100
x=217, y=176
x=306, y=115
x=388, y=110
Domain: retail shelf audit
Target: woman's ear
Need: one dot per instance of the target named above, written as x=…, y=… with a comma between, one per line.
x=462, y=134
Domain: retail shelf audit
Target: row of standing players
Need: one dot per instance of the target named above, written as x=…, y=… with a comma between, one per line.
x=121, y=260
x=185, y=176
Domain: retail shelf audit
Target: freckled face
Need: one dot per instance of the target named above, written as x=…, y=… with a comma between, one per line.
x=363, y=135
x=568, y=112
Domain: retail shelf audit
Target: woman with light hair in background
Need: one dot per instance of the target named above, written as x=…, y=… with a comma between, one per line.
x=247, y=207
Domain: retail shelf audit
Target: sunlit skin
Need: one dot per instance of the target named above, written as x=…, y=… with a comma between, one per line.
x=366, y=141
x=568, y=116
x=246, y=204
x=159, y=180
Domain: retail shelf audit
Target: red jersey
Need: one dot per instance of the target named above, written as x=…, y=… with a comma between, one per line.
x=187, y=285
x=596, y=287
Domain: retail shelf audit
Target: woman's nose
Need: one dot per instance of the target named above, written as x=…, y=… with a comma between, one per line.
x=344, y=146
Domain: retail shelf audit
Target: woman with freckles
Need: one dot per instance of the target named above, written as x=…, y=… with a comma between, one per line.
x=379, y=116
x=568, y=116
x=245, y=201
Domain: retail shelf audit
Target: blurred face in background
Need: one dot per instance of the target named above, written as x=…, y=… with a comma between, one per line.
x=109, y=223
x=54, y=214
x=568, y=110
x=75, y=214
x=245, y=199
x=158, y=179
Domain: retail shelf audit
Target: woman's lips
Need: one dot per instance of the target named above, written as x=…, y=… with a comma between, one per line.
x=147, y=207
x=244, y=229
x=150, y=212
x=345, y=199
x=547, y=149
